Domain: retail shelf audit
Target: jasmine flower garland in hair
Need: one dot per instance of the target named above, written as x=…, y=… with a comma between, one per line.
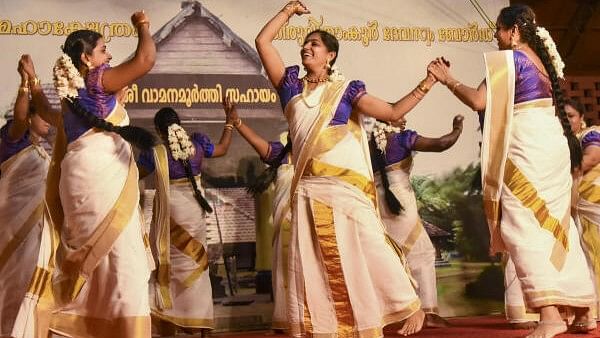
x=179, y=143
x=380, y=132
x=557, y=62
x=336, y=74
x=67, y=79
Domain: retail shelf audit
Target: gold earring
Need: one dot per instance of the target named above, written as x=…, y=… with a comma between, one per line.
x=89, y=65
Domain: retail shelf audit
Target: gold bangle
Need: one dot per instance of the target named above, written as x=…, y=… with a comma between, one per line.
x=25, y=83
x=237, y=123
x=23, y=89
x=454, y=86
x=416, y=96
x=139, y=23
x=423, y=87
x=228, y=126
x=35, y=82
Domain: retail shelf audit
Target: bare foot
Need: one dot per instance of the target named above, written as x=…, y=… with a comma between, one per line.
x=413, y=324
x=523, y=325
x=548, y=329
x=582, y=323
x=433, y=320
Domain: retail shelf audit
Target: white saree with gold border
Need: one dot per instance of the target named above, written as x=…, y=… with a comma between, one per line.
x=25, y=242
x=588, y=211
x=407, y=230
x=526, y=176
x=345, y=274
x=282, y=221
x=101, y=280
x=180, y=289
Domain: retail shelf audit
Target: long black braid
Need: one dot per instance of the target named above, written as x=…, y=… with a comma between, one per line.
x=164, y=118
x=524, y=17
x=390, y=199
x=267, y=177
x=84, y=41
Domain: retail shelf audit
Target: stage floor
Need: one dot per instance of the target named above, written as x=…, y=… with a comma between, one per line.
x=463, y=327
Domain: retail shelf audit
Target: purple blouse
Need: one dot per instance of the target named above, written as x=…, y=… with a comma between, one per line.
x=204, y=148
x=94, y=99
x=275, y=149
x=9, y=147
x=291, y=86
x=592, y=138
x=400, y=146
x=530, y=82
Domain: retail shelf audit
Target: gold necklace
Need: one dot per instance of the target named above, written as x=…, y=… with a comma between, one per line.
x=317, y=80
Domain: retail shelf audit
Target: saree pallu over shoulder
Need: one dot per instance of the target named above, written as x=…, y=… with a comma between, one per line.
x=25, y=244
x=102, y=271
x=161, y=213
x=77, y=263
x=500, y=79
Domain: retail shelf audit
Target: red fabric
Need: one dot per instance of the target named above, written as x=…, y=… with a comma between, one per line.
x=466, y=327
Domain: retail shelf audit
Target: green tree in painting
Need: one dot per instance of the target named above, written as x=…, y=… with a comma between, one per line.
x=454, y=204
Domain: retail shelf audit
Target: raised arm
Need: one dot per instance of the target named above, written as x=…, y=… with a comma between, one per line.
x=38, y=98
x=21, y=109
x=442, y=143
x=379, y=109
x=269, y=55
x=475, y=98
x=231, y=120
x=142, y=62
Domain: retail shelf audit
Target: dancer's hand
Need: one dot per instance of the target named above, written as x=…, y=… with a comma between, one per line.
x=231, y=114
x=26, y=67
x=295, y=7
x=440, y=70
x=457, y=122
x=139, y=18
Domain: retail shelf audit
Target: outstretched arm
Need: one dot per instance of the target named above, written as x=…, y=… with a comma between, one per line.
x=441, y=143
x=379, y=109
x=124, y=74
x=256, y=141
x=231, y=120
x=475, y=98
x=269, y=55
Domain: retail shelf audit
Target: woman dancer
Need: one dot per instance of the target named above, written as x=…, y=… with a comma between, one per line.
x=183, y=297
x=392, y=148
x=588, y=203
x=24, y=234
x=525, y=169
x=277, y=154
x=101, y=278
x=340, y=257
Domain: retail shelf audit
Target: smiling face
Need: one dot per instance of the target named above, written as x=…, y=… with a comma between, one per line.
x=99, y=55
x=314, y=54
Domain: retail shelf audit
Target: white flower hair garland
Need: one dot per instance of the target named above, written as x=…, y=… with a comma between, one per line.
x=67, y=79
x=557, y=62
x=380, y=131
x=179, y=143
x=336, y=74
